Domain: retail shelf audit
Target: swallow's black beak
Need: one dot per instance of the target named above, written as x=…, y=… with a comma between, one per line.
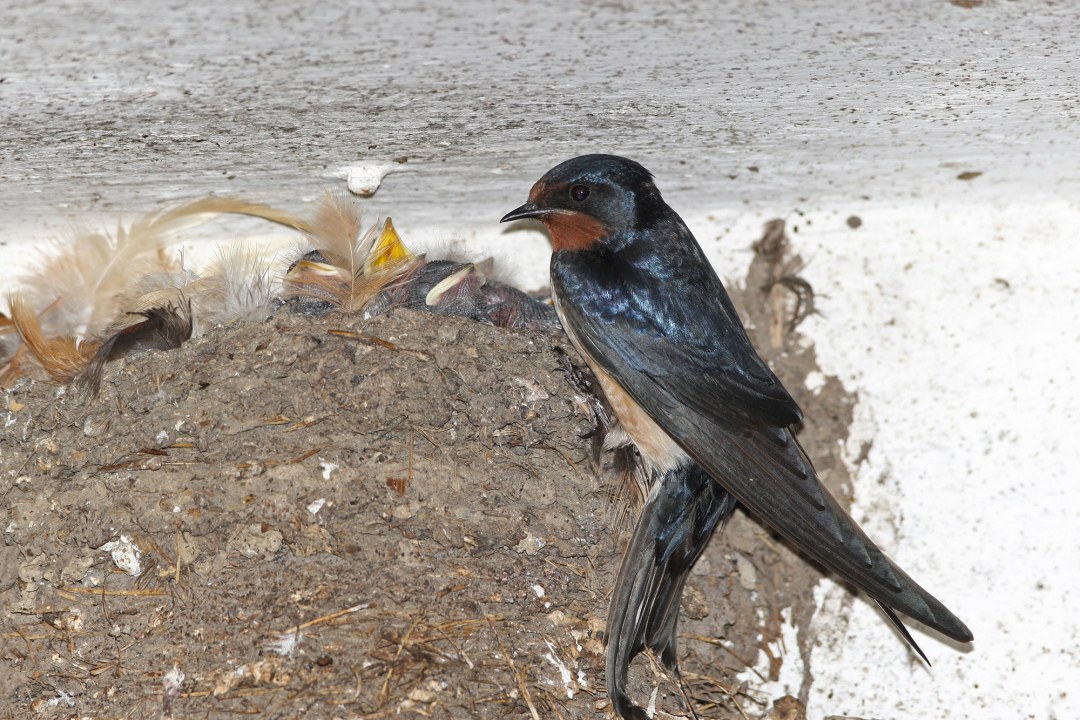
x=528, y=210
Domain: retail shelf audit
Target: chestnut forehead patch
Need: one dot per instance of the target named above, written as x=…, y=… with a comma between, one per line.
x=538, y=191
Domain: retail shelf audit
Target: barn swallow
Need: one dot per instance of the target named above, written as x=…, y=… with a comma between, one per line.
x=708, y=418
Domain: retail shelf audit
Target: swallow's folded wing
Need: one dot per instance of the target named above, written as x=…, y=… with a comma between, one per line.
x=683, y=330
x=724, y=413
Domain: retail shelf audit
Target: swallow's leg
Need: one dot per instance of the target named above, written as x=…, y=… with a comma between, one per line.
x=681, y=513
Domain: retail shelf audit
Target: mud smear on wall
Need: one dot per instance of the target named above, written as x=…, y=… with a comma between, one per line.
x=335, y=519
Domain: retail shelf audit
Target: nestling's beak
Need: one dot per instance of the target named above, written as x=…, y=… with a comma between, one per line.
x=528, y=210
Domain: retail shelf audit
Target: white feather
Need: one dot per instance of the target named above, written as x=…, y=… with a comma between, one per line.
x=237, y=286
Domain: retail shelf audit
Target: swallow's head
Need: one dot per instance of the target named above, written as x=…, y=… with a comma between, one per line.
x=587, y=200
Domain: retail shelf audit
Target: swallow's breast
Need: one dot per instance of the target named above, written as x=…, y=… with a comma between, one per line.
x=659, y=451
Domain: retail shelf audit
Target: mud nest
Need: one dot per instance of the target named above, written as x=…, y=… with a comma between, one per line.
x=327, y=518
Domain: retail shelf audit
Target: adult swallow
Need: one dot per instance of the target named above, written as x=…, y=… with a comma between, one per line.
x=708, y=418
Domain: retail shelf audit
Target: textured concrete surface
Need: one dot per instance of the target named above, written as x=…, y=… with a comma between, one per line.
x=952, y=132
x=116, y=106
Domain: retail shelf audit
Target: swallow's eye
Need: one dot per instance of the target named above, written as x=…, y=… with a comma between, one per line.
x=579, y=192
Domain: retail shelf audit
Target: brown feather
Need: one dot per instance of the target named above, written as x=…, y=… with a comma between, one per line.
x=363, y=265
x=163, y=327
x=62, y=357
x=335, y=233
x=213, y=206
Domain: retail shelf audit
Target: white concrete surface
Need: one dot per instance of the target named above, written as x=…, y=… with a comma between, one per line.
x=953, y=333
x=951, y=310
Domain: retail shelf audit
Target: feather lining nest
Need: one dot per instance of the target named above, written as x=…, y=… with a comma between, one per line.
x=91, y=293
x=92, y=277
x=162, y=327
x=104, y=296
x=61, y=356
x=349, y=268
